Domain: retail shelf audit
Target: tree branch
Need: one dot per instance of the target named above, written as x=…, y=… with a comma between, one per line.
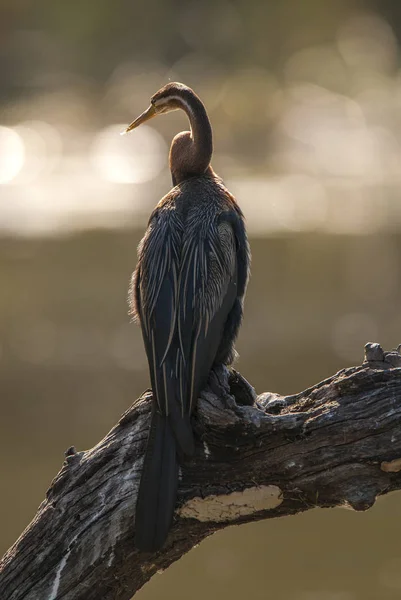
x=337, y=443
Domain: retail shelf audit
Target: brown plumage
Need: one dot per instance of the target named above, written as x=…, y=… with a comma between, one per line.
x=187, y=293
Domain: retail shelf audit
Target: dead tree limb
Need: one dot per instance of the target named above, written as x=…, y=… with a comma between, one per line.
x=336, y=443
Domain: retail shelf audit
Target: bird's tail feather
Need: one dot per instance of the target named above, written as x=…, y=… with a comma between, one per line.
x=182, y=430
x=158, y=488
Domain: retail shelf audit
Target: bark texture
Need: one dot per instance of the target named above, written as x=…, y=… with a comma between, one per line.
x=336, y=443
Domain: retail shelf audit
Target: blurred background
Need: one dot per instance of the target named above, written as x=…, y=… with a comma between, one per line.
x=305, y=101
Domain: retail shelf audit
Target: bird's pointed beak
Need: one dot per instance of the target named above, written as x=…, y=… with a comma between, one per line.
x=145, y=116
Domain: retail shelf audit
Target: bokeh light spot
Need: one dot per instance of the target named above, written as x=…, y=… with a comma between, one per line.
x=134, y=158
x=43, y=145
x=367, y=41
x=12, y=154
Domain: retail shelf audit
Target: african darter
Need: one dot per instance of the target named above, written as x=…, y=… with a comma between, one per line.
x=187, y=293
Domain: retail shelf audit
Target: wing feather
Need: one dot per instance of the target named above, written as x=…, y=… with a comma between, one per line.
x=187, y=287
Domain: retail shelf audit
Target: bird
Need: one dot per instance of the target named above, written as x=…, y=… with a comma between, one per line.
x=187, y=294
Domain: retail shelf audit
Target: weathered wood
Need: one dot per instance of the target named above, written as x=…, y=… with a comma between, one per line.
x=336, y=443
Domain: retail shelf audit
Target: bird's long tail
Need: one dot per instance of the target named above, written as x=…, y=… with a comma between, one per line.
x=158, y=488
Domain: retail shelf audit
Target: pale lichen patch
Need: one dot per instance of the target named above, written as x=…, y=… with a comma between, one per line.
x=229, y=507
x=393, y=466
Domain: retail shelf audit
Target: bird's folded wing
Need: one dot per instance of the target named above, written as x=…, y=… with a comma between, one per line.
x=187, y=286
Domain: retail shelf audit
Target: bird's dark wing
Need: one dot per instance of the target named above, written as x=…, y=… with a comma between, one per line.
x=207, y=291
x=234, y=217
x=187, y=285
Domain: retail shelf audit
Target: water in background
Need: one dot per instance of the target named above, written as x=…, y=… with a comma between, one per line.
x=71, y=363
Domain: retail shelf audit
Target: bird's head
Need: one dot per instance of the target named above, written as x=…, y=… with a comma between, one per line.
x=190, y=151
x=170, y=97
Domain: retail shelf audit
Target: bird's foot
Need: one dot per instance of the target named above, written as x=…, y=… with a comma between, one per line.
x=228, y=384
x=241, y=389
x=219, y=381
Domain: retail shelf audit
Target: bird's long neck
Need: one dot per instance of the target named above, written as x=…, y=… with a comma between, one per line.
x=201, y=133
x=190, y=155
